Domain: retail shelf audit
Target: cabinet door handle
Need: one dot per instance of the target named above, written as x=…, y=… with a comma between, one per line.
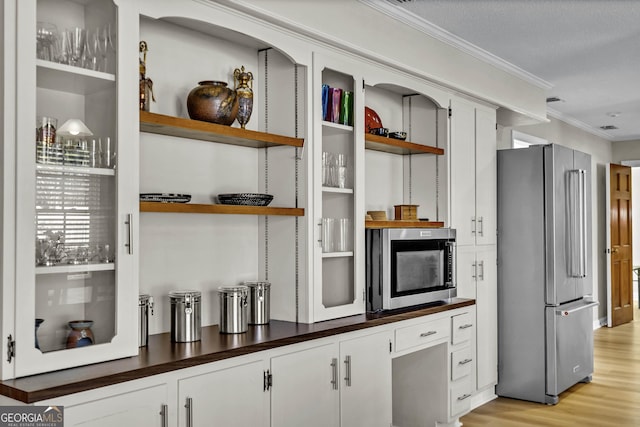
x=465, y=361
x=129, y=224
x=428, y=334
x=464, y=396
x=481, y=222
x=465, y=326
x=189, y=406
x=163, y=415
x=481, y=276
x=473, y=225
x=347, y=368
x=334, y=373
x=474, y=274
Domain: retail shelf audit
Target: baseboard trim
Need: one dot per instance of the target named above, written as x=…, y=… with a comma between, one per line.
x=483, y=396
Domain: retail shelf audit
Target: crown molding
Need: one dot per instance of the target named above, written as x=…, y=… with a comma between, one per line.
x=578, y=124
x=445, y=36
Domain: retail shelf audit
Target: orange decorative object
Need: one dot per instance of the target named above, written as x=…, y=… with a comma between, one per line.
x=371, y=120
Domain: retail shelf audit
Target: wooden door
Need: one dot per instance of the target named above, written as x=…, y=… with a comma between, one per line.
x=621, y=287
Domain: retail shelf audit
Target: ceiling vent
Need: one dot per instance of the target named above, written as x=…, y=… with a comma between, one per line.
x=553, y=99
x=608, y=127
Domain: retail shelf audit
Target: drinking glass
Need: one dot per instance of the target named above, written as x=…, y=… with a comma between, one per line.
x=340, y=171
x=105, y=46
x=77, y=41
x=343, y=235
x=328, y=233
x=90, y=58
x=107, y=152
x=46, y=35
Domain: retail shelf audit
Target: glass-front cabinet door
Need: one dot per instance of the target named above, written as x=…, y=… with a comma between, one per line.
x=76, y=289
x=338, y=154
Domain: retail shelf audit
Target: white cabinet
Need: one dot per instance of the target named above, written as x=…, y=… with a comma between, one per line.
x=477, y=279
x=76, y=193
x=434, y=359
x=474, y=216
x=141, y=403
x=462, y=363
x=473, y=173
x=233, y=397
x=343, y=384
x=365, y=389
x=304, y=390
x=338, y=250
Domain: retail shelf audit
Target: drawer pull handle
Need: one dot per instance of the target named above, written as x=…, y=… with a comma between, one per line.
x=428, y=334
x=464, y=396
x=465, y=326
x=465, y=361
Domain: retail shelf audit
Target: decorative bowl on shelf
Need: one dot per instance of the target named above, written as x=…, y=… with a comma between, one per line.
x=371, y=119
x=379, y=131
x=165, y=197
x=245, y=199
x=398, y=135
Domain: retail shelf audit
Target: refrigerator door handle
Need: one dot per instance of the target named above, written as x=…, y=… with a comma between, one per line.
x=578, y=222
x=564, y=313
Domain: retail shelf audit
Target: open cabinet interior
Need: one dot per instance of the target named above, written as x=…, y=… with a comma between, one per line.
x=417, y=173
x=182, y=250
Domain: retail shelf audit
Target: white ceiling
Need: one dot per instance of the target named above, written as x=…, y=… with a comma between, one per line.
x=588, y=51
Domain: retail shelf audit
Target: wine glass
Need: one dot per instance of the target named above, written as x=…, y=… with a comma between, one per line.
x=90, y=58
x=105, y=46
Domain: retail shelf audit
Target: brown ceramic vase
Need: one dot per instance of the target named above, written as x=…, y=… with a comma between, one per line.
x=212, y=101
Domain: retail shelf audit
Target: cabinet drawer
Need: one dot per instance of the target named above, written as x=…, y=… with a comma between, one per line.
x=461, y=363
x=460, y=394
x=462, y=326
x=422, y=333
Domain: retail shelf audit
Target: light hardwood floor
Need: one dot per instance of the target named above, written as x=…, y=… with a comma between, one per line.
x=611, y=399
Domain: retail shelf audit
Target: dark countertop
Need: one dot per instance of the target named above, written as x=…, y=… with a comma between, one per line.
x=161, y=355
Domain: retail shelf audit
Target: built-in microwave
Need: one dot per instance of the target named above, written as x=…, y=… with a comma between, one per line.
x=409, y=266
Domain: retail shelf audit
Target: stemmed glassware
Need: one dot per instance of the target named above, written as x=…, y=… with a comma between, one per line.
x=90, y=59
x=90, y=49
x=105, y=46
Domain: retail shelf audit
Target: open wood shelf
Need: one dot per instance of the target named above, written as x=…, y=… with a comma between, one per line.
x=205, y=131
x=403, y=224
x=397, y=146
x=218, y=209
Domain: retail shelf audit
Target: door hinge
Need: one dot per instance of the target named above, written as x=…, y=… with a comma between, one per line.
x=11, y=348
x=267, y=380
x=450, y=112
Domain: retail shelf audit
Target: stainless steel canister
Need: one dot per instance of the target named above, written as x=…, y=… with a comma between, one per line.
x=259, y=302
x=185, y=316
x=233, y=309
x=145, y=303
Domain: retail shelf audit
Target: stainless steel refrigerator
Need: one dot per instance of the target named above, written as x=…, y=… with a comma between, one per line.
x=545, y=281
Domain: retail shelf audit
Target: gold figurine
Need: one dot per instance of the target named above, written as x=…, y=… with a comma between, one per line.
x=146, y=85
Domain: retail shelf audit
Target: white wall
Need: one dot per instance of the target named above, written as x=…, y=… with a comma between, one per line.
x=360, y=28
x=601, y=151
